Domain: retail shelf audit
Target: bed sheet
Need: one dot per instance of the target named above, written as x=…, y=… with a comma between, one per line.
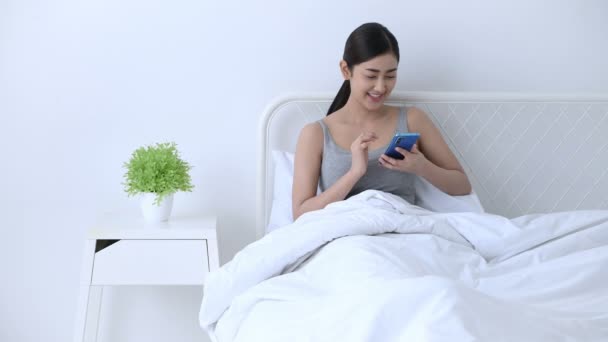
x=375, y=268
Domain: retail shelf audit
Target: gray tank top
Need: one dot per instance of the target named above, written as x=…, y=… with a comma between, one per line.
x=337, y=161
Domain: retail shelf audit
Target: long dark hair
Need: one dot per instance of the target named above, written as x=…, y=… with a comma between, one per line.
x=364, y=43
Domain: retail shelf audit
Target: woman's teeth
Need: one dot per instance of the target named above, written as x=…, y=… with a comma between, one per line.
x=374, y=95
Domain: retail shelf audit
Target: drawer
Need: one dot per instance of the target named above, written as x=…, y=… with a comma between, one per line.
x=151, y=262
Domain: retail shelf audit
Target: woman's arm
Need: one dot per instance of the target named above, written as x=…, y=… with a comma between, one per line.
x=430, y=157
x=442, y=169
x=307, y=168
x=453, y=182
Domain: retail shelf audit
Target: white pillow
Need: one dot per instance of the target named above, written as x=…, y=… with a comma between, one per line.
x=433, y=199
x=427, y=195
x=281, y=213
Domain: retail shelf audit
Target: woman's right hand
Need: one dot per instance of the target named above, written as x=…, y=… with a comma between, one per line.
x=359, y=150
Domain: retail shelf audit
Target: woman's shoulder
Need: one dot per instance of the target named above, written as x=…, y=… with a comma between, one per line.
x=310, y=141
x=312, y=133
x=313, y=129
x=415, y=111
x=416, y=117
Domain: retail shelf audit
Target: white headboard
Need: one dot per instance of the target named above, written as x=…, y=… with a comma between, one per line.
x=523, y=153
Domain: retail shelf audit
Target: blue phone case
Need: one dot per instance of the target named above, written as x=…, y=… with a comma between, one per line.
x=404, y=140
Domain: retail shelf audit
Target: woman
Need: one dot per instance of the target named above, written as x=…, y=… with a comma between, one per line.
x=343, y=152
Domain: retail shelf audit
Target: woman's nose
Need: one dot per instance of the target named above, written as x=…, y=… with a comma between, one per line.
x=380, y=86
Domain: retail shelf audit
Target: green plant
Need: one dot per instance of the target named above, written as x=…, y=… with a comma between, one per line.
x=157, y=169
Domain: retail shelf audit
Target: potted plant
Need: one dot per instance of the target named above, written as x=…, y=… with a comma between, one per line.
x=157, y=172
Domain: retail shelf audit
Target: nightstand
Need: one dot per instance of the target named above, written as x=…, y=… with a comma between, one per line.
x=123, y=250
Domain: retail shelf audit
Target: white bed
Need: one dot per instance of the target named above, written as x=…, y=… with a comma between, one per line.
x=376, y=268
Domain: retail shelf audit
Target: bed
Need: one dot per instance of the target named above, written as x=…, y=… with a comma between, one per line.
x=523, y=258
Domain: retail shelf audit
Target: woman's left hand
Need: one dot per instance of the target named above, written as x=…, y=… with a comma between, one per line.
x=413, y=162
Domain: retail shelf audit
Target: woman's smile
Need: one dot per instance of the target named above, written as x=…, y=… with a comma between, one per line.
x=375, y=98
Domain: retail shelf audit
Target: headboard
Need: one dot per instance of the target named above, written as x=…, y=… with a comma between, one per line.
x=523, y=153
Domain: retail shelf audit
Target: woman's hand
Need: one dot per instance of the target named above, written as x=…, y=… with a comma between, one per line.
x=413, y=162
x=359, y=150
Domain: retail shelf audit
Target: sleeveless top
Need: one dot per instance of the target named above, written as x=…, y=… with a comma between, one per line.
x=337, y=161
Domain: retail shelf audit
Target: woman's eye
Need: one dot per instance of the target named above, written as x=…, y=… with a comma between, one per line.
x=374, y=77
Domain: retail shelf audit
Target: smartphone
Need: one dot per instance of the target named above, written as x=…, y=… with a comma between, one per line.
x=404, y=140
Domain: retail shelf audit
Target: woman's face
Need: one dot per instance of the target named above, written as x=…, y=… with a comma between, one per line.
x=371, y=82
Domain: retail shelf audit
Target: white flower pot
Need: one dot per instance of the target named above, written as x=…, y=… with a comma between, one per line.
x=156, y=213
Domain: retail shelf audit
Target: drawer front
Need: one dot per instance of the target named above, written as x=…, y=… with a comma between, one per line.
x=151, y=262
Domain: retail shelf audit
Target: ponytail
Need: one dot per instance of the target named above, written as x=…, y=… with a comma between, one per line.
x=341, y=98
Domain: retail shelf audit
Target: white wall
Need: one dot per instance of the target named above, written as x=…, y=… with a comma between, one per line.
x=83, y=83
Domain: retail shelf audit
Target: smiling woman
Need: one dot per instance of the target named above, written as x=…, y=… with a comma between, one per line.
x=343, y=153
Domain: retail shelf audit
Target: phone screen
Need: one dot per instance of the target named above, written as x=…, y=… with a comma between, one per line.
x=404, y=140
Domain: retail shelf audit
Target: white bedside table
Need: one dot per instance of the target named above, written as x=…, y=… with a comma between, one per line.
x=127, y=251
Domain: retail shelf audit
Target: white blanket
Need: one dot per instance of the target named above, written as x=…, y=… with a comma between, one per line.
x=375, y=268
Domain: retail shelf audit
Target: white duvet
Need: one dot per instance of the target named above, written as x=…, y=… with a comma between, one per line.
x=375, y=268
